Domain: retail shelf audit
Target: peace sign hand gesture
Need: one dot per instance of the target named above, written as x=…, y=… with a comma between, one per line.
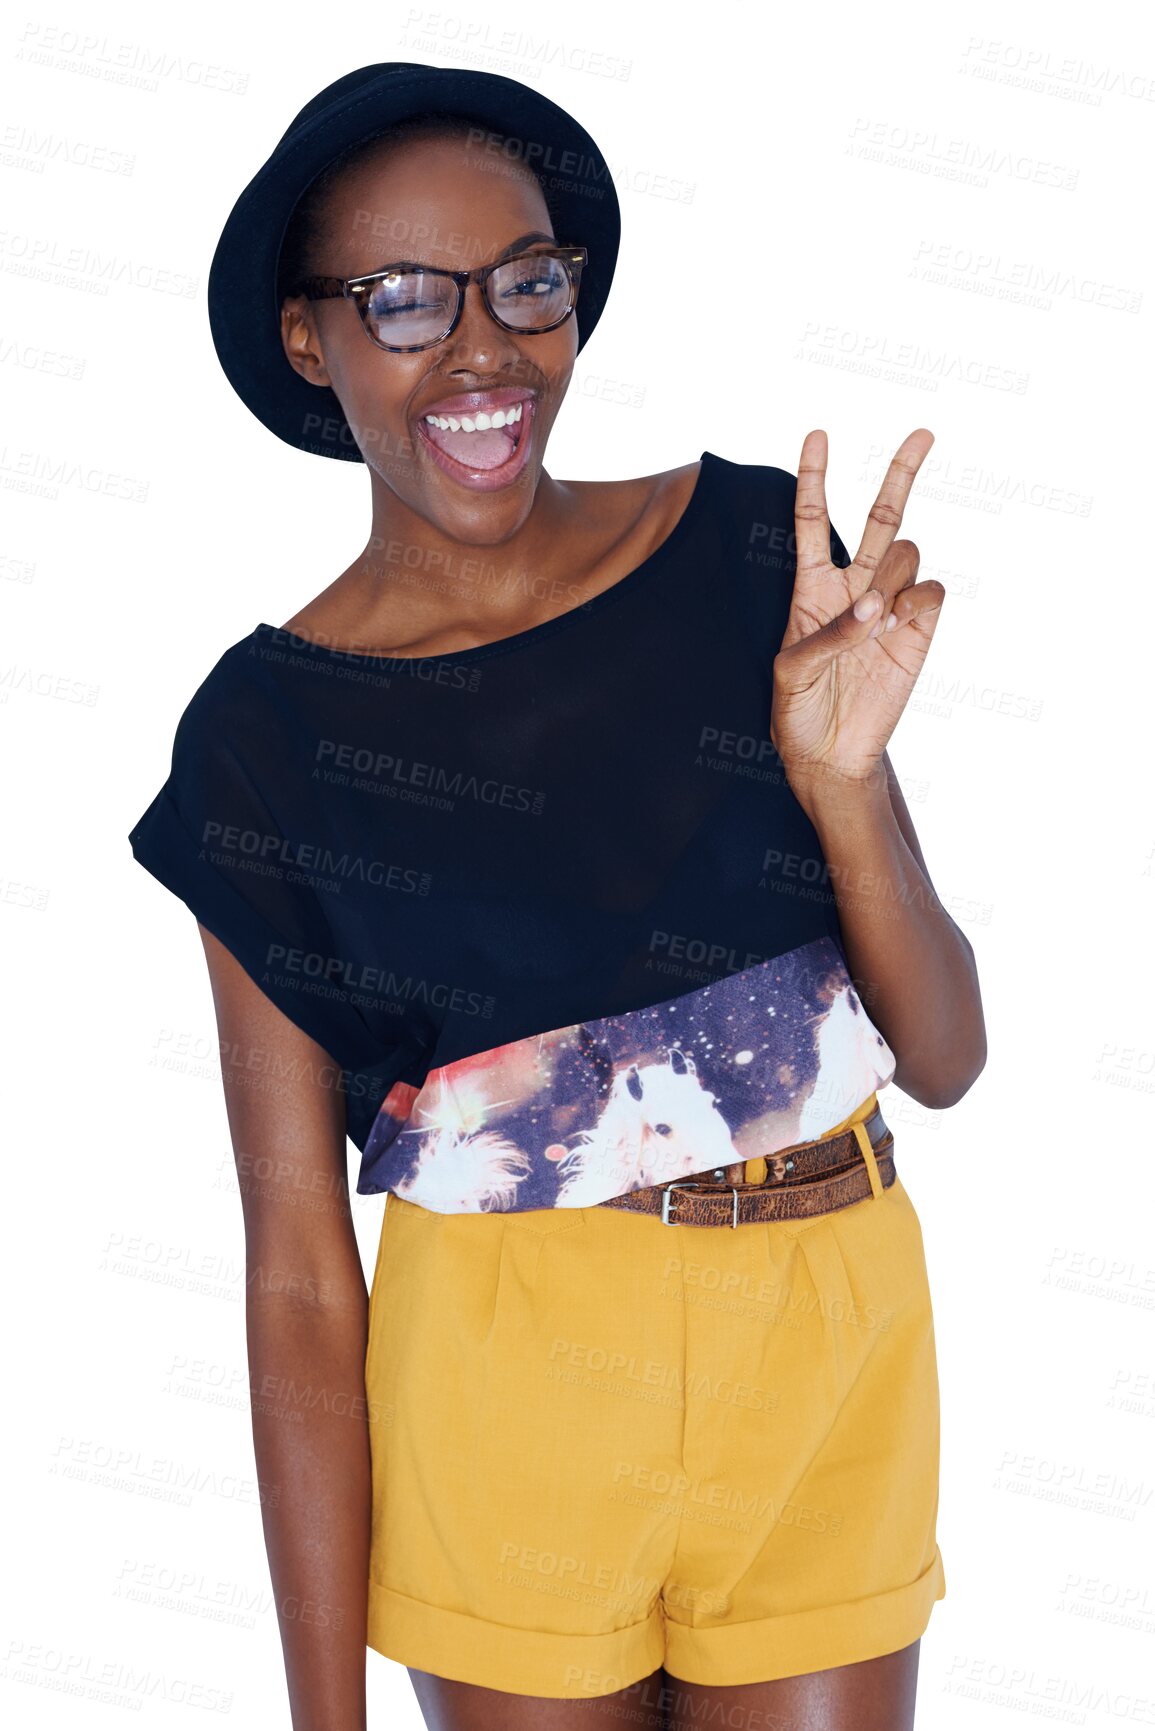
x=848, y=665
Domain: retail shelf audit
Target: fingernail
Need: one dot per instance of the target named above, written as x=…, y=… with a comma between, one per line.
x=892, y=622
x=867, y=604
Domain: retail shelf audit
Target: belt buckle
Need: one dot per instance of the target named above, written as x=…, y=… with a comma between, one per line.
x=692, y=1184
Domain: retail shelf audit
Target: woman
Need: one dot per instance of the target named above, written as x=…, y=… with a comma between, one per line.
x=534, y=854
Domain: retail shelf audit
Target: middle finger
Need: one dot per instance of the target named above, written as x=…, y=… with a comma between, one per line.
x=885, y=515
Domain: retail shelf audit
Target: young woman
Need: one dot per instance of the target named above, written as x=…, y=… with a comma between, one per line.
x=552, y=853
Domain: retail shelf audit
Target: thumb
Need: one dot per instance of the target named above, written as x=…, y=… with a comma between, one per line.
x=866, y=610
x=807, y=655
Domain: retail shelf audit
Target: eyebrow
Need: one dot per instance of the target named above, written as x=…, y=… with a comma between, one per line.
x=524, y=240
x=515, y=246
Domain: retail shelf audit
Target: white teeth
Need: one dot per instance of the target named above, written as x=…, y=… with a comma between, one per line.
x=479, y=423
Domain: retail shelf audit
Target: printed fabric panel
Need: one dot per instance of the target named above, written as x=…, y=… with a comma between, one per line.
x=745, y=1066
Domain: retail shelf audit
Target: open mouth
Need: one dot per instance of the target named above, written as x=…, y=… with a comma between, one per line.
x=481, y=449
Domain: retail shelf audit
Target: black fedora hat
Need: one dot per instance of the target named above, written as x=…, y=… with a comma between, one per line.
x=244, y=312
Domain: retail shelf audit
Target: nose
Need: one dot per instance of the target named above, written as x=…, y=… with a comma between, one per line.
x=479, y=344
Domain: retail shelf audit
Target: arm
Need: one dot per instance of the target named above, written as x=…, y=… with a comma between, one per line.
x=856, y=640
x=306, y=1320
x=914, y=969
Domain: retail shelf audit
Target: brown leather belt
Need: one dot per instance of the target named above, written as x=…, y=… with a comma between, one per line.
x=808, y=1178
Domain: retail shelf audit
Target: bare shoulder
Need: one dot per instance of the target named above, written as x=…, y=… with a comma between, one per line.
x=604, y=530
x=667, y=486
x=636, y=513
x=669, y=499
x=675, y=487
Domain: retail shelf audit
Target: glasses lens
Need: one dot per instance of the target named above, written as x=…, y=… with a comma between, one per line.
x=412, y=306
x=409, y=307
x=530, y=293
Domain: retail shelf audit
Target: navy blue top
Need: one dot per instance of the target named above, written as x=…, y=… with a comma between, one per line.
x=550, y=905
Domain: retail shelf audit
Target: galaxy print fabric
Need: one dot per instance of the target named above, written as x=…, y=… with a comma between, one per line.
x=746, y=1066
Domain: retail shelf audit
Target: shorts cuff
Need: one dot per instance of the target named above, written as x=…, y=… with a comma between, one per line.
x=791, y=1645
x=518, y=1661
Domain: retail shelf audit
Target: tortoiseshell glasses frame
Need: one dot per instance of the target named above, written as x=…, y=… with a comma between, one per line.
x=360, y=289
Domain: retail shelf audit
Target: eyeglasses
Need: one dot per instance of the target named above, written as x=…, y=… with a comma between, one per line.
x=406, y=307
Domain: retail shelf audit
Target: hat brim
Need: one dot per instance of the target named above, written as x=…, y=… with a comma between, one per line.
x=244, y=313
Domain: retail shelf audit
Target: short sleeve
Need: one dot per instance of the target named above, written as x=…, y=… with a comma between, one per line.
x=215, y=835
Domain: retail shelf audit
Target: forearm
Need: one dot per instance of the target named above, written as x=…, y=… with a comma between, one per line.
x=310, y=1434
x=912, y=966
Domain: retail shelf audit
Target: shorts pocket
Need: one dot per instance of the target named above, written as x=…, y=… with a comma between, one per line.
x=374, y=1341
x=886, y=1258
x=379, y=1259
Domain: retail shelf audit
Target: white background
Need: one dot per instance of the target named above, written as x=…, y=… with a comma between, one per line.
x=943, y=203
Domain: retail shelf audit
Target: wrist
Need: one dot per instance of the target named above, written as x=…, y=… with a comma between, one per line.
x=824, y=793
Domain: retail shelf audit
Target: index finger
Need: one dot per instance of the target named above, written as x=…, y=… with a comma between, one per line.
x=811, y=522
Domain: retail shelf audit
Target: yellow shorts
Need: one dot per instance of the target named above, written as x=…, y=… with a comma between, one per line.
x=601, y=1444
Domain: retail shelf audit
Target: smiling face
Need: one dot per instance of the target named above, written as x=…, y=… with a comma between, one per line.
x=446, y=203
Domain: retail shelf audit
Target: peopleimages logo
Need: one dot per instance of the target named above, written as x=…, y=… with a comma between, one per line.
x=368, y=984
x=362, y=768
x=251, y=844
x=571, y=166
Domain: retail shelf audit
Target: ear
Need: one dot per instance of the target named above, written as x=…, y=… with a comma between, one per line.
x=302, y=341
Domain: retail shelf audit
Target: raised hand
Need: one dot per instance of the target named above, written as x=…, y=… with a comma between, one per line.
x=856, y=638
